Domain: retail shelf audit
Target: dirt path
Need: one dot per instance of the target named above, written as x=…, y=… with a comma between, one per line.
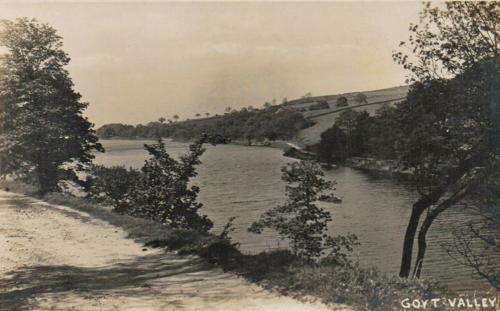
x=56, y=258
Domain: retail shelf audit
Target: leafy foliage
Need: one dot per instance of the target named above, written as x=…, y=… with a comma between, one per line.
x=300, y=219
x=342, y=101
x=44, y=136
x=163, y=192
x=450, y=40
x=111, y=185
x=333, y=146
x=357, y=134
x=160, y=191
x=251, y=125
x=360, y=98
x=451, y=119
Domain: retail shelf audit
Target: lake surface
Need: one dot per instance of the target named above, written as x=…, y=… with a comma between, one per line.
x=245, y=181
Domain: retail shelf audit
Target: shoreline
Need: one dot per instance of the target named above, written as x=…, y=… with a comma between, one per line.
x=278, y=274
x=293, y=150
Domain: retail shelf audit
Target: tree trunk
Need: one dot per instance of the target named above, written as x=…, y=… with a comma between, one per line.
x=422, y=246
x=422, y=234
x=411, y=230
x=429, y=219
x=47, y=176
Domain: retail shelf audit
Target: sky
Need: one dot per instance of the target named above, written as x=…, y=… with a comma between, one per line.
x=137, y=61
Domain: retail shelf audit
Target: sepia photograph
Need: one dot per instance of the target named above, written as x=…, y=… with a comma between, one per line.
x=249, y=155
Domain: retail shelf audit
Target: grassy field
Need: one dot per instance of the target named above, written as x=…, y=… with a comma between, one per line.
x=325, y=118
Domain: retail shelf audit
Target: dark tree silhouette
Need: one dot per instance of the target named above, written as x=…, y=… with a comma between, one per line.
x=459, y=41
x=44, y=136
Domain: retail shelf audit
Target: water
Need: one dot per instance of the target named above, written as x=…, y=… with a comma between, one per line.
x=245, y=181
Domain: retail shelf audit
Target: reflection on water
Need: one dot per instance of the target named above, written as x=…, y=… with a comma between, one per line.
x=245, y=181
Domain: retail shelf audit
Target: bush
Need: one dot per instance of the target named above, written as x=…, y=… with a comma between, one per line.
x=360, y=98
x=222, y=252
x=111, y=185
x=342, y=101
x=163, y=193
x=367, y=288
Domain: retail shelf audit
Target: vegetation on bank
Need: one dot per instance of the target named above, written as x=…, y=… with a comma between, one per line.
x=301, y=221
x=278, y=270
x=359, y=134
x=248, y=124
x=44, y=136
x=446, y=132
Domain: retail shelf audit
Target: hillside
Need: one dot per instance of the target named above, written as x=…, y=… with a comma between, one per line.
x=301, y=120
x=324, y=118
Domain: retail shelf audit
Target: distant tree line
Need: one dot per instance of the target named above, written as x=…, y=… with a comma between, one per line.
x=251, y=125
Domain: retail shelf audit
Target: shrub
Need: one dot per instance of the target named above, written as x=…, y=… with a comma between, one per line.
x=368, y=288
x=342, y=101
x=111, y=185
x=163, y=192
x=360, y=98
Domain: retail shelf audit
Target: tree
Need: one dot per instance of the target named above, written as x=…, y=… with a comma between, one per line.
x=162, y=120
x=360, y=98
x=163, y=192
x=300, y=220
x=347, y=120
x=197, y=115
x=381, y=133
x=175, y=117
x=228, y=109
x=45, y=138
x=449, y=41
x=450, y=127
x=342, y=101
x=108, y=132
x=207, y=114
x=333, y=145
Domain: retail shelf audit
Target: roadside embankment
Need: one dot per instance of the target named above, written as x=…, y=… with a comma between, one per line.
x=144, y=278
x=59, y=258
